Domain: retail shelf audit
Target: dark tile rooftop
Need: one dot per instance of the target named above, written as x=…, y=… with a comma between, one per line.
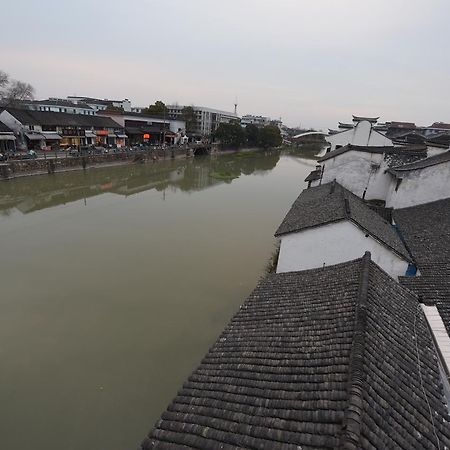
x=339, y=357
x=48, y=118
x=330, y=203
x=314, y=175
x=426, y=231
x=422, y=164
x=4, y=128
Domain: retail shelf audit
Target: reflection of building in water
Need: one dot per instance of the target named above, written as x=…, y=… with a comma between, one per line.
x=36, y=193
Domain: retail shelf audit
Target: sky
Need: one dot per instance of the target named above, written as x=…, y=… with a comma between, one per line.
x=312, y=63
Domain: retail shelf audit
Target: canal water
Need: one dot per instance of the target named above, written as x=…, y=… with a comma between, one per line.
x=115, y=282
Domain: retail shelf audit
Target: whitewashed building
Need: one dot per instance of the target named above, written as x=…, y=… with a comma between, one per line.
x=420, y=182
x=329, y=225
x=362, y=134
x=362, y=169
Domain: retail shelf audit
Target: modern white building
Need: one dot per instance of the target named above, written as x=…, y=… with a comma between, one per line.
x=208, y=119
x=329, y=225
x=420, y=182
x=362, y=134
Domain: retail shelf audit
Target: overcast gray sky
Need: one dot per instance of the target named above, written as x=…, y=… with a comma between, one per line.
x=310, y=62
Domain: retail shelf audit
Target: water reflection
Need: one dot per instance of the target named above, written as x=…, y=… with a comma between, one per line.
x=37, y=193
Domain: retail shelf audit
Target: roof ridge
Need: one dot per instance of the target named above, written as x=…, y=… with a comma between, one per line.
x=353, y=414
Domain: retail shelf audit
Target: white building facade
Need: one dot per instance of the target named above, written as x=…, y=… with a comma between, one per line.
x=335, y=243
x=418, y=183
x=363, y=134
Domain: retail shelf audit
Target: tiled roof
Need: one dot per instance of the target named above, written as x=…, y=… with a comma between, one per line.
x=314, y=175
x=46, y=118
x=339, y=357
x=369, y=119
x=331, y=202
x=58, y=102
x=419, y=150
x=440, y=125
x=422, y=164
x=426, y=231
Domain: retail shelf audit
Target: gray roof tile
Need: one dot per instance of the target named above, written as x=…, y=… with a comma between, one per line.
x=422, y=164
x=320, y=359
x=426, y=231
x=330, y=203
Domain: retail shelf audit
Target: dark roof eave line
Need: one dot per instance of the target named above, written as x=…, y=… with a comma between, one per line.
x=384, y=244
x=357, y=376
x=283, y=233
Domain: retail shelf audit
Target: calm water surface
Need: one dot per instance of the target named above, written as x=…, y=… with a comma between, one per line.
x=116, y=281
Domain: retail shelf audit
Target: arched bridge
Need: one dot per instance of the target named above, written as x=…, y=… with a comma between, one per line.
x=309, y=133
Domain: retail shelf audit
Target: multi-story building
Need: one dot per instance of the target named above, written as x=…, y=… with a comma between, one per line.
x=259, y=121
x=207, y=119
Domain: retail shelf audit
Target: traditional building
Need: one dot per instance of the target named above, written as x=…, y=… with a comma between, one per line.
x=58, y=105
x=420, y=182
x=328, y=225
x=143, y=128
x=43, y=130
x=426, y=231
x=333, y=358
x=7, y=139
x=362, y=169
x=362, y=134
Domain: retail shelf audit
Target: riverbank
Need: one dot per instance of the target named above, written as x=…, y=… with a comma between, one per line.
x=42, y=166
x=50, y=165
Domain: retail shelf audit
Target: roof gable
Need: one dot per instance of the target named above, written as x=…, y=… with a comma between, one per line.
x=331, y=203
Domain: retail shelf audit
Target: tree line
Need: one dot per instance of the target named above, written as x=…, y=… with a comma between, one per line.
x=233, y=135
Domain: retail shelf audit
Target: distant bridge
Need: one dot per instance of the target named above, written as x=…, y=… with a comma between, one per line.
x=309, y=133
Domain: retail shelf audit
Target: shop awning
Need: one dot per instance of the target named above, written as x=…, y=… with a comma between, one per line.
x=7, y=137
x=121, y=136
x=89, y=134
x=51, y=136
x=34, y=136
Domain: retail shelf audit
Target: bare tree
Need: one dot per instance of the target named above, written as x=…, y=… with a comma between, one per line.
x=13, y=91
x=4, y=79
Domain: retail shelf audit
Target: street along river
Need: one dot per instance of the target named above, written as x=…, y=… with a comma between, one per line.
x=115, y=282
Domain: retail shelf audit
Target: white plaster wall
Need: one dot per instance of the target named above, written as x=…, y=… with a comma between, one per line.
x=362, y=135
x=358, y=171
x=333, y=244
x=420, y=186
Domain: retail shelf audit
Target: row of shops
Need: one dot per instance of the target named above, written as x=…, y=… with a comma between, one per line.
x=39, y=130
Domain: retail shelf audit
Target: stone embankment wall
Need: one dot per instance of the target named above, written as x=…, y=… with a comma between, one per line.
x=16, y=167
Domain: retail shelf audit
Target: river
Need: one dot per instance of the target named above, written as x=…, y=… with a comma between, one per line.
x=116, y=281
